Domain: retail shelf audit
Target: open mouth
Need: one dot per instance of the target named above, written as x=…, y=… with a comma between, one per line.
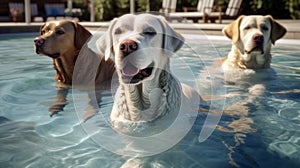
x=132, y=74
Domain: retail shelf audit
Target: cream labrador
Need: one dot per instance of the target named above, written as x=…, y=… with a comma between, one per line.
x=142, y=46
x=252, y=38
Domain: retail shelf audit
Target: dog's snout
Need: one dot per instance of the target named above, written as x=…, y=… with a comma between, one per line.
x=258, y=38
x=128, y=46
x=39, y=41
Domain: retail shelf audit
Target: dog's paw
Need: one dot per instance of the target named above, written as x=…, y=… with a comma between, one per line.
x=56, y=108
x=90, y=112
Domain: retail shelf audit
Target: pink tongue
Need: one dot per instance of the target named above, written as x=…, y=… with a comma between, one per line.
x=130, y=70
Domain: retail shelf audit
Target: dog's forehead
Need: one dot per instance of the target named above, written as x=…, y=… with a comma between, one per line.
x=138, y=22
x=255, y=21
x=59, y=24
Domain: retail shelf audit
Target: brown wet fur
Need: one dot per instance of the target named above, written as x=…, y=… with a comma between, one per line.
x=67, y=38
x=68, y=45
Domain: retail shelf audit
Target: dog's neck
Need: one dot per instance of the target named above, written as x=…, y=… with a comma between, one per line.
x=64, y=66
x=150, y=99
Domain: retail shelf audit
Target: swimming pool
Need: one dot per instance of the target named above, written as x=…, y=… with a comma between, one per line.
x=260, y=131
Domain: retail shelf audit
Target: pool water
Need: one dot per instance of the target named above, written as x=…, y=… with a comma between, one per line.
x=259, y=127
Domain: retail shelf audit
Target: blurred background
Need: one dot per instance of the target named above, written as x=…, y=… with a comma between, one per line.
x=105, y=10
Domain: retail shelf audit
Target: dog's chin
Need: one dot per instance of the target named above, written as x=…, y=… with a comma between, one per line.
x=54, y=55
x=138, y=77
x=253, y=60
x=255, y=50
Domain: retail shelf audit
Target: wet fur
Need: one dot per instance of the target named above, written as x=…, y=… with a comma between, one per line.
x=158, y=95
x=241, y=32
x=62, y=41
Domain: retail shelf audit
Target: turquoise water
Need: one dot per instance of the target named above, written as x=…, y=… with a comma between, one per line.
x=258, y=129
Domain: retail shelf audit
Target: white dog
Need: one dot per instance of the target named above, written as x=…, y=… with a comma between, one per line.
x=252, y=37
x=141, y=45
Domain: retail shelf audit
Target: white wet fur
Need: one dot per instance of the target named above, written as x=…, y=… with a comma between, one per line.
x=159, y=97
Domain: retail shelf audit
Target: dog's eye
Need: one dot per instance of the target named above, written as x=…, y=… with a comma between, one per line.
x=60, y=32
x=149, y=31
x=118, y=31
x=43, y=32
x=265, y=28
x=247, y=28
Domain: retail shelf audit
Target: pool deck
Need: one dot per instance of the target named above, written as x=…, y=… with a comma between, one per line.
x=293, y=27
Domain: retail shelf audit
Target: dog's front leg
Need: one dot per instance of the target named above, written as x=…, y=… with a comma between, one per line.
x=94, y=100
x=61, y=101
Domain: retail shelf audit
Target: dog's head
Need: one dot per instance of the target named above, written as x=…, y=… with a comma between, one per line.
x=140, y=45
x=253, y=36
x=60, y=37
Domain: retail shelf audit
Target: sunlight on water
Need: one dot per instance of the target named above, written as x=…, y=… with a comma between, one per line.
x=257, y=129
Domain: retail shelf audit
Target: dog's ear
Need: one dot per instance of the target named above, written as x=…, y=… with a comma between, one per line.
x=172, y=40
x=41, y=28
x=81, y=35
x=105, y=42
x=277, y=30
x=232, y=30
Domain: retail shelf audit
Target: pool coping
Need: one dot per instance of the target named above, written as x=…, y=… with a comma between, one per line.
x=293, y=31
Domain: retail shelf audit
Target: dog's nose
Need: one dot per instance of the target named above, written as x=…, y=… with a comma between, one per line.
x=39, y=41
x=258, y=38
x=128, y=46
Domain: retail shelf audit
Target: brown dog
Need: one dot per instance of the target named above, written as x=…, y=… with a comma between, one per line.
x=62, y=41
x=252, y=37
